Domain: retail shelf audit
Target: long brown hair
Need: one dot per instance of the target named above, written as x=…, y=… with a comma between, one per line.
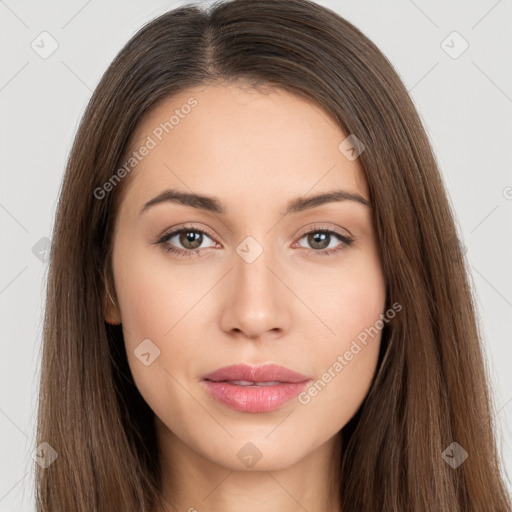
x=430, y=389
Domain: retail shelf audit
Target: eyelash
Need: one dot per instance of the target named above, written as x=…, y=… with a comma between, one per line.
x=163, y=241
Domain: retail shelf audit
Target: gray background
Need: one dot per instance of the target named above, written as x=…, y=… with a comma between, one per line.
x=465, y=104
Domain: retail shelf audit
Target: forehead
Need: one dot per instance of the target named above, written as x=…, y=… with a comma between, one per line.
x=220, y=138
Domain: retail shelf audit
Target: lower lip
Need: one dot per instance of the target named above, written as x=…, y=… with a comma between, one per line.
x=254, y=398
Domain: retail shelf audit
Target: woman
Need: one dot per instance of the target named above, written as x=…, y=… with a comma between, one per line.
x=200, y=352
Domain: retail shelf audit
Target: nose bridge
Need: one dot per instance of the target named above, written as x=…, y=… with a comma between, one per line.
x=251, y=265
x=256, y=302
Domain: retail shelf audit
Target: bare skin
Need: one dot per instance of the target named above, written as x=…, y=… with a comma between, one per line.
x=293, y=306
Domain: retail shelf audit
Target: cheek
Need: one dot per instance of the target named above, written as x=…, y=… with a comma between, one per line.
x=164, y=303
x=154, y=294
x=348, y=299
x=352, y=306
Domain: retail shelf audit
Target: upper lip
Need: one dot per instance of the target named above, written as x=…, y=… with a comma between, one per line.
x=261, y=373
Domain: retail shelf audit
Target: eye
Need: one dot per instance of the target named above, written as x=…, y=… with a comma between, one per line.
x=190, y=239
x=323, y=241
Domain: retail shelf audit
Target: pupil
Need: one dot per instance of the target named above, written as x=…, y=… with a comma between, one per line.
x=317, y=240
x=189, y=237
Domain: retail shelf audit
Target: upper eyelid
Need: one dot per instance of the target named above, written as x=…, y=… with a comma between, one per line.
x=322, y=227
x=174, y=231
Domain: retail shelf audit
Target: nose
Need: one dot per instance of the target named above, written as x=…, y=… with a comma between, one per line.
x=257, y=304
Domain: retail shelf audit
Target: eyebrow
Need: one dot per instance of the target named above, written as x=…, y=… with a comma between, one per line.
x=212, y=204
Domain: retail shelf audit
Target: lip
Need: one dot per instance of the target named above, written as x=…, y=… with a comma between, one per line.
x=226, y=385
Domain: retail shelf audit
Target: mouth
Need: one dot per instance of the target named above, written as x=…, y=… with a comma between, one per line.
x=254, y=389
x=248, y=383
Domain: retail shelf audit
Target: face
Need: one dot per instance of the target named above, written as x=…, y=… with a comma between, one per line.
x=257, y=274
